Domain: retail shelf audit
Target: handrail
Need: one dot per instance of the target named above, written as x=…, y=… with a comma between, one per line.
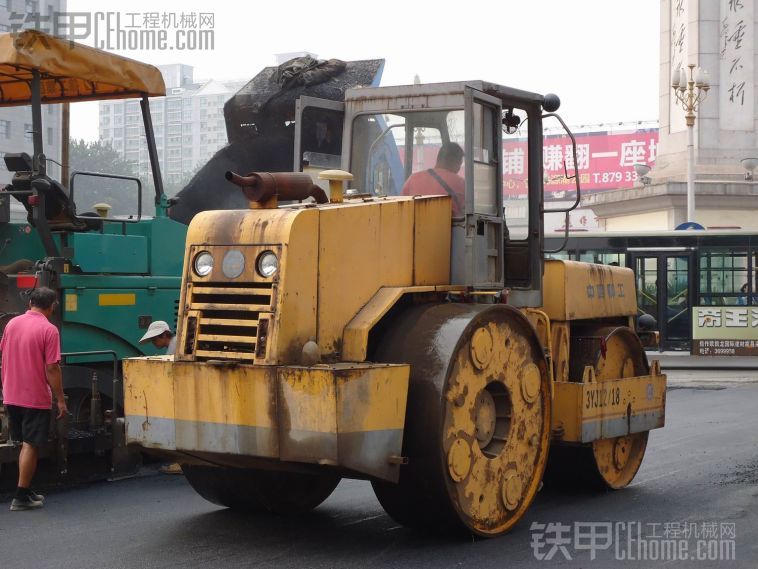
x=573, y=206
x=116, y=378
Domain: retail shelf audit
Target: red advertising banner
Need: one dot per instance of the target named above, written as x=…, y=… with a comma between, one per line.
x=605, y=161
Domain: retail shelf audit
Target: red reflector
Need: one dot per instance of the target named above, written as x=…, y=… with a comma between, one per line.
x=33, y=200
x=26, y=281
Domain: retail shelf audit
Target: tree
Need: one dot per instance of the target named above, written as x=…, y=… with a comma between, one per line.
x=186, y=179
x=172, y=188
x=100, y=157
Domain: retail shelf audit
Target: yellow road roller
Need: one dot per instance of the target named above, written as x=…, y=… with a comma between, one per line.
x=389, y=319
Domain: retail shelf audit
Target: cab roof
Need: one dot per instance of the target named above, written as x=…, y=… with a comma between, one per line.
x=455, y=88
x=69, y=71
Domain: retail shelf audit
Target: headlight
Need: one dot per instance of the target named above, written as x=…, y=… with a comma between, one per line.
x=267, y=264
x=203, y=263
x=234, y=264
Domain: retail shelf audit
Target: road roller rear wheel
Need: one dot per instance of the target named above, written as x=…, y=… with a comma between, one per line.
x=250, y=490
x=604, y=463
x=477, y=421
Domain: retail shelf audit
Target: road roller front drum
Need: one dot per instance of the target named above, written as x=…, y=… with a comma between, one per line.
x=477, y=421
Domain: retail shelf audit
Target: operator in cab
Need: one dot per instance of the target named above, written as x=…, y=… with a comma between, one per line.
x=442, y=179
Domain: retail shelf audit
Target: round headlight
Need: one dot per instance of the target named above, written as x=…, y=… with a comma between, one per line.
x=267, y=264
x=234, y=264
x=203, y=263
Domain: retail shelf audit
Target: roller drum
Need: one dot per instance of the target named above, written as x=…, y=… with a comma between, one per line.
x=477, y=421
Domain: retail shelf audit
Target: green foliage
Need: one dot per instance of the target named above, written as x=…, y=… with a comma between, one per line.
x=100, y=157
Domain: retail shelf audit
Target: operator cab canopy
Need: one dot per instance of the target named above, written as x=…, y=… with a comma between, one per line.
x=69, y=71
x=396, y=136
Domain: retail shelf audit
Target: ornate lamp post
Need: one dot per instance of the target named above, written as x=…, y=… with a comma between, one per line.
x=690, y=92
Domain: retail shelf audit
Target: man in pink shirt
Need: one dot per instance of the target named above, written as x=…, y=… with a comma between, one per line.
x=442, y=179
x=30, y=368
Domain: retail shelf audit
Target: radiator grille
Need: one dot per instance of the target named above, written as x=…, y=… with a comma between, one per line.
x=227, y=318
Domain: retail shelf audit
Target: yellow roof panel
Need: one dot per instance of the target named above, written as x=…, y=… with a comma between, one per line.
x=69, y=71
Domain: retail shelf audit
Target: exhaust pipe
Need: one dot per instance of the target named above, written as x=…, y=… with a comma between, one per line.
x=264, y=189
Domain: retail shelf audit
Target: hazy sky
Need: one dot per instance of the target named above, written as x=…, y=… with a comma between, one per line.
x=599, y=56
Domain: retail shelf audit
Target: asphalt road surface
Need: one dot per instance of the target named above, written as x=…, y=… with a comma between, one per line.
x=694, y=503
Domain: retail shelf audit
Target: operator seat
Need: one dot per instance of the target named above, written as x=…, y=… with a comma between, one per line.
x=60, y=211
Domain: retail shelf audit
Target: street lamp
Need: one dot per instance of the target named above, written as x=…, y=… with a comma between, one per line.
x=690, y=93
x=642, y=171
x=749, y=164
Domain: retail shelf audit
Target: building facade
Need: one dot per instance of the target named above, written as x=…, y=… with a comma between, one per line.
x=188, y=124
x=16, y=122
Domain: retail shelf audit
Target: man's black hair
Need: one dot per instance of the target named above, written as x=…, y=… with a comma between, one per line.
x=43, y=298
x=450, y=151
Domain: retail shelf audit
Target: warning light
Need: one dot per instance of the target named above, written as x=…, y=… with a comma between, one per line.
x=33, y=200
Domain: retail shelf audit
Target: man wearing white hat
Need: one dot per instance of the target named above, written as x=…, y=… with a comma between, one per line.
x=161, y=337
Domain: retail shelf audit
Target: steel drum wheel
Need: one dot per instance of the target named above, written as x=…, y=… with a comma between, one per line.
x=618, y=459
x=478, y=418
x=252, y=490
x=605, y=463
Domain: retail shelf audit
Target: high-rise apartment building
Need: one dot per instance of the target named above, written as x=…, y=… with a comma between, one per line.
x=188, y=123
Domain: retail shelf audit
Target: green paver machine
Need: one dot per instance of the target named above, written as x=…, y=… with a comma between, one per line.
x=114, y=275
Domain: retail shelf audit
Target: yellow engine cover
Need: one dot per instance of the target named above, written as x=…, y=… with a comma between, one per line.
x=333, y=259
x=579, y=291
